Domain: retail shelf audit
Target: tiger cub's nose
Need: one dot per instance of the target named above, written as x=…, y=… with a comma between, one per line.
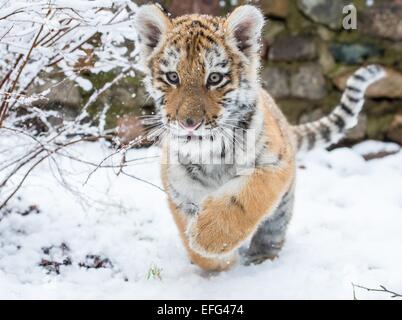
x=190, y=124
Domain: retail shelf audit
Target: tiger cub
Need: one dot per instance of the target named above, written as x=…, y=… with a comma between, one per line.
x=228, y=163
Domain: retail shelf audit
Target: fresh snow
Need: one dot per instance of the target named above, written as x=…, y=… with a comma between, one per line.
x=347, y=228
x=370, y=147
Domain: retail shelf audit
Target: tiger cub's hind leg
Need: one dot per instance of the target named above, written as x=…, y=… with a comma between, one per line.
x=269, y=238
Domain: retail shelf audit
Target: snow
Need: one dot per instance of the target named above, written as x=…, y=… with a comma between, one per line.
x=371, y=146
x=346, y=229
x=56, y=32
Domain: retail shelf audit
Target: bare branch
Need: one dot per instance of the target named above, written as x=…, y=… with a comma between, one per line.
x=44, y=37
x=142, y=180
x=382, y=289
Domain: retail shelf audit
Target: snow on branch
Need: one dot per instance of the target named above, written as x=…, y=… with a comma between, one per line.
x=38, y=36
x=68, y=37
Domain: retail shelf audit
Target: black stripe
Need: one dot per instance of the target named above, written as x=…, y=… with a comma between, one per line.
x=224, y=84
x=325, y=132
x=310, y=140
x=216, y=51
x=371, y=70
x=234, y=201
x=228, y=91
x=162, y=80
x=246, y=121
x=171, y=53
x=359, y=77
x=244, y=106
x=352, y=99
x=227, y=100
x=210, y=39
x=227, y=74
x=164, y=62
x=345, y=108
x=353, y=89
x=196, y=23
x=339, y=122
x=243, y=46
x=180, y=22
x=191, y=170
x=222, y=64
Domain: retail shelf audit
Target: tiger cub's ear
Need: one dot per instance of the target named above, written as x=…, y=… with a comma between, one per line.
x=151, y=25
x=243, y=29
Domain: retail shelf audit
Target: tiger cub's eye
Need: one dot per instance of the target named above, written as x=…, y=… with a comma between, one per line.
x=172, y=77
x=214, y=78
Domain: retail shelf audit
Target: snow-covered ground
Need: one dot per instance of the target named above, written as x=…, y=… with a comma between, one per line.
x=347, y=228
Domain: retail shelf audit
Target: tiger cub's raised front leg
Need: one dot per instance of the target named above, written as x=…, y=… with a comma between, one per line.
x=208, y=264
x=226, y=221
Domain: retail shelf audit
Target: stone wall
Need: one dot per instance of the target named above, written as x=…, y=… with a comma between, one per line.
x=307, y=57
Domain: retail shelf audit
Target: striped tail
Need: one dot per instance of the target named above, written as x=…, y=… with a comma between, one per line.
x=330, y=129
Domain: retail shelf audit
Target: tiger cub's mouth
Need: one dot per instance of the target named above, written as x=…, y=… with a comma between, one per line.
x=198, y=133
x=191, y=128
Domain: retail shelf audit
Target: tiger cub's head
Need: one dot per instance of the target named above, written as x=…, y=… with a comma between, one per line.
x=202, y=71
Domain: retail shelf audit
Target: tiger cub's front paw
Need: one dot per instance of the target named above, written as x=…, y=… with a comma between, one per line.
x=211, y=233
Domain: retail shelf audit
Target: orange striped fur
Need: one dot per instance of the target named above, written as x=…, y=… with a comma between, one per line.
x=202, y=73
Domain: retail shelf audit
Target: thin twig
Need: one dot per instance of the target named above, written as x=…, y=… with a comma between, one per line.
x=383, y=290
x=4, y=106
x=142, y=180
x=49, y=153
